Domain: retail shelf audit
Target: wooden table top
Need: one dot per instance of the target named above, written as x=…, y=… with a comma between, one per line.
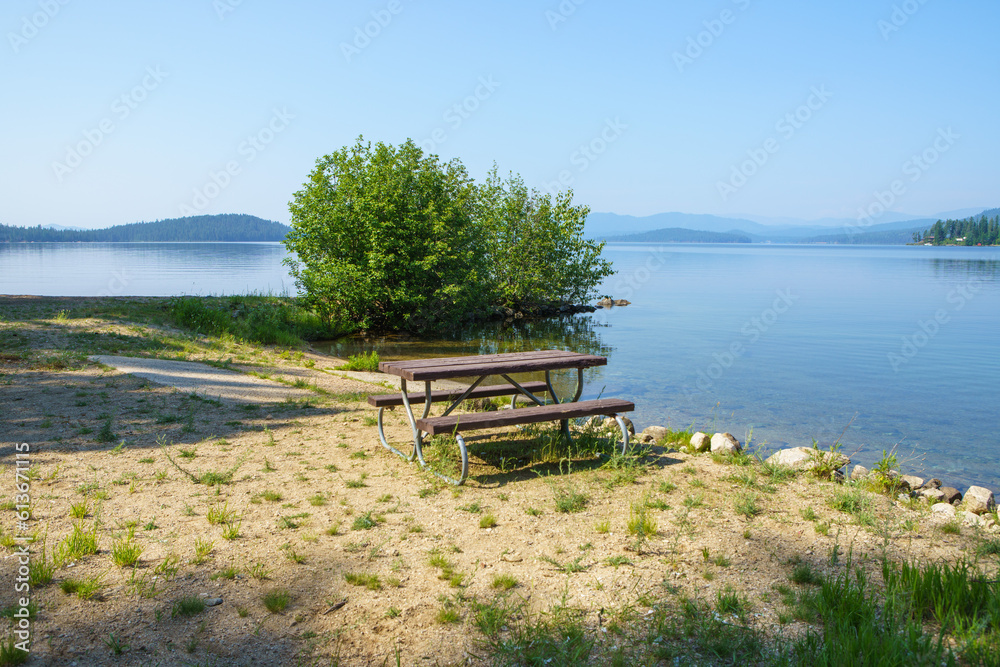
x=443, y=368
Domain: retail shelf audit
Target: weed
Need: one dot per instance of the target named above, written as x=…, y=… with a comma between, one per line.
x=603, y=527
x=105, y=434
x=640, y=524
x=569, y=500
x=168, y=567
x=116, y=646
x=356, y=483
x=187, y=606
x=531, y=511
x=488, y=521
x=259, y=571
x=856, y=502
x=366, y=579
x=951, y=528
x=804, y=574
x=276, y=601
x=85, y=589
x=41, y=570
x=77, y=544
x=202, y=549
x=80, y=510
x=746, y=505
x=221, y=514
x=364, y=522
x=727, y=601
x=363, y=361
x=503, y=582
x=232, y=530
x=568, y=567
x=474, y=508
x=125, y=552
x=692, y=502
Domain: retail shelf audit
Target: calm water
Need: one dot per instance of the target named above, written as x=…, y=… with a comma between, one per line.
x=143, y=269
x=891, y=346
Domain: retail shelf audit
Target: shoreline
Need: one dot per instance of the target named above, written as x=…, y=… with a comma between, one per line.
x=243, y=501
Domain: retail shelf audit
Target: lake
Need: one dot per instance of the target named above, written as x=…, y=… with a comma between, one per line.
x=879, y=347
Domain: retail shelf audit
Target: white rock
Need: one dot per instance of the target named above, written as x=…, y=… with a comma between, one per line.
x=725, y=443
x=945, y=510
x=807, y=458
x=610, y=423
x=911, y=482
x=656, y=433
x=979, y=500
x=700, y=442
x=933, y=495
x=970, y=519
x=859, y=472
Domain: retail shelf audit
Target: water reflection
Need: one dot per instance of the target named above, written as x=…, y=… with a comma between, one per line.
x=965, y=268
x=576, y=333
x=579, y=333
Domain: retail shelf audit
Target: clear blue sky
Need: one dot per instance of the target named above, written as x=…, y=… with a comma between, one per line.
x=162, y=95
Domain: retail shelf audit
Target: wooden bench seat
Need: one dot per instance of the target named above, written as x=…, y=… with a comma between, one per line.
x=528, y=415
x=392, y=400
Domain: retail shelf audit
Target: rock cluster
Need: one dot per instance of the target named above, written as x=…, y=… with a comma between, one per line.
x=608, y=302
x=976, y=502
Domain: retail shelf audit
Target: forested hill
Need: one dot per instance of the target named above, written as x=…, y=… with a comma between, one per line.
x=681, y=235
x=229, y=227
x=983, y=229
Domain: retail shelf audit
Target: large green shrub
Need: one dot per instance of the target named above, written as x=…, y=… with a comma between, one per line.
x=384, y=238
x=388, y=238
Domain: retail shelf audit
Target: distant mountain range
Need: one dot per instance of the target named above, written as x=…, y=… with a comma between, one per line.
x=670, y=227
x=681, y=235
x=229, y=227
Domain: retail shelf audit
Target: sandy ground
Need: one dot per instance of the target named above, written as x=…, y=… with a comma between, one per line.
x=267, y=487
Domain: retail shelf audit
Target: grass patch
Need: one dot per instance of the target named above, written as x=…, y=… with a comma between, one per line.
x=85, y=589
x=364, y=361
x=365, y=579
x=276, y=601
x=569, y=500
x=187, y=606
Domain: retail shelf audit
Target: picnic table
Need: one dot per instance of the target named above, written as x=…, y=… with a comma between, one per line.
x=481, y=367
